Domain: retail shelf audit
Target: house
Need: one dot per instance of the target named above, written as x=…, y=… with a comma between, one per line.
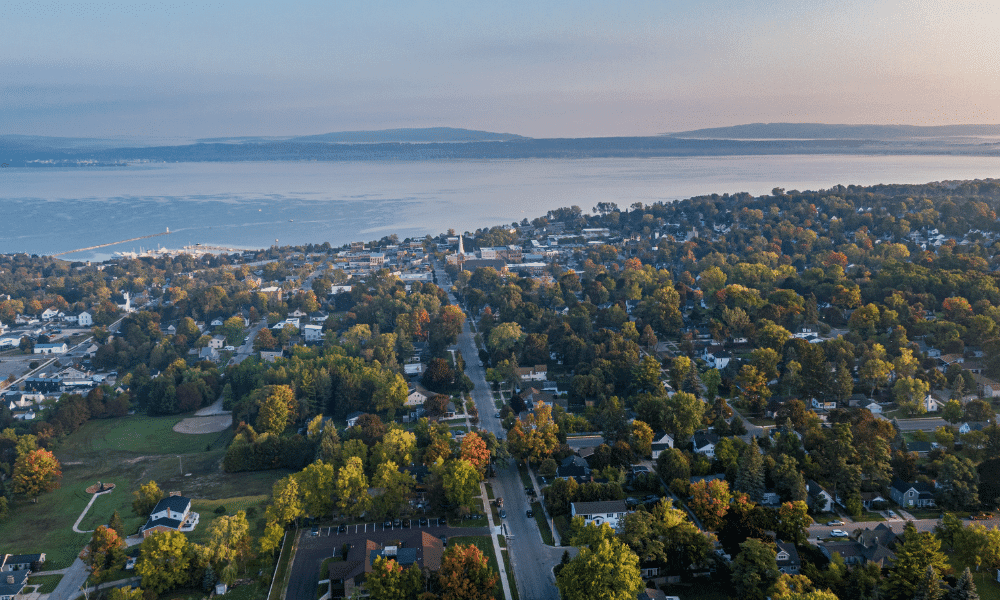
x=874, y=408
x=818, y=498
x=217, y=342
x=965, y=428
x=611, y=512
x=868, y=546
x=11, y=584
x=986, y=387
x=873, y=501
x=216, y=322
x=173, y=513
x=318, y=316
x=704, y=443
x=313, y=333
x=574, y=467
x=415, y=547
x=915, y=494
x=49, y=314
x=417, y=396
x=21, y=562
x=352, y=419
x=535, y=373
x=55, y=348
x=788, y=558
x=208, y=353
x=932, y=404
x=85, y=319
x=661, y=441
x=921, y=448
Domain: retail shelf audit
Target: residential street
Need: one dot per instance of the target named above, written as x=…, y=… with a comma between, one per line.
x=69, y=585
x=531, y=560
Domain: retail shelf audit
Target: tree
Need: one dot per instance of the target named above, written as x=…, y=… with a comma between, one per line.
x=711, y=379
x=710, y=501
x=461, y=481
x=274, y=411
x=755, y=570
x=959, y=482
x=396, y=486
x=229, y=541
x=750, y=474
x=952, y=411
x=352, y=488
x=641, y=439
x=683, y=415
x=753, y=389
x=317, y=488
x=104, y=553
x=673, y=464
x=146, y=498
x=917, y=552
x=535, y=437
x=36, y=472
x=389, y=580
x=965, y=589
x=929, y=587
x=473, y=450
x=125, y=593
x=975, y=546
x=910, y=394
x=466, y=574
x=117, y=524
x=606, y=569
x=793, y=522
x=165, y=560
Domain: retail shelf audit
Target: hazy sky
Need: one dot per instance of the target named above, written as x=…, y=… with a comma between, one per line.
x=541, y=69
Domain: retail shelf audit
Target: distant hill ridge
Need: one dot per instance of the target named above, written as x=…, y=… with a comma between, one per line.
x=832, y=131
x=385, y=136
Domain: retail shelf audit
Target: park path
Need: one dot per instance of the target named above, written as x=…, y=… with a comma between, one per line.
x=213, y=409
x=76, y=526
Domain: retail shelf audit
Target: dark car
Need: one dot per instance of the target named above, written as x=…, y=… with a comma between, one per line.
x=423, y=522
x=315, y=531
x=342, y=528
x=444, y=540
x=503, y=514
x=397, y=523
x=387, y=524
x=529, y=513
x=406, y=522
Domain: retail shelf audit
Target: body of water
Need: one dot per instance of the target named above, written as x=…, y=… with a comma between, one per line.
x=251, y=205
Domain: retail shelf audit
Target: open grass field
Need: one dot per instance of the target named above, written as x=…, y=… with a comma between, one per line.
x=206, y=514
x=47, y=583
x=128, y=452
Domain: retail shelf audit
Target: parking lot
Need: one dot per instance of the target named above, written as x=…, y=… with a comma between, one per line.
x=362, y=528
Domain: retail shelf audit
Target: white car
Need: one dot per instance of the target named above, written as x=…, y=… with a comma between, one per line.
x=838, y=533
x=230, y=348
x=835, y=523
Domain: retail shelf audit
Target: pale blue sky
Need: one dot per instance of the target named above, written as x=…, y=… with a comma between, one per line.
x=542, y=69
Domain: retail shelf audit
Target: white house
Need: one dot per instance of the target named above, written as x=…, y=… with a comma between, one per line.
x=84, y=319
x=661, y=442
x=49, y=314
x=352, y=419
x=818, y=498
x=313, y=333
x=217, y=342
x=59, y=348
x=170, y=514
x=611, y=512
x=704, y=443
x=931, y=404
x=535, y=373
x=416, y=397
x=874, y=407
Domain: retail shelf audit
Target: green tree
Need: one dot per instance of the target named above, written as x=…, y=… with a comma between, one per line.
x=165, y=561
x=910, y=394
x=965, y=589
x=755, y=570
x=753, y=389
x=146, y=498
x=461, y=481
x=711, y=379
x=233, y=330
x=117, y=524
x=793, y=522
x=917, y=552
x=125, y=593
x=229, y=541
x=607, y=569
x=750, y=473
x=952, y=411
x=397, y=488
x=959, y=482
x=273, y=415
x=352, y=488
x=683, y=414
x=317, y=488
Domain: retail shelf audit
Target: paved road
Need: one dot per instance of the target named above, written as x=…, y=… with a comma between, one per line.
x=69, y=585
x=531, y=560
x=244, y=351
x=821, y=530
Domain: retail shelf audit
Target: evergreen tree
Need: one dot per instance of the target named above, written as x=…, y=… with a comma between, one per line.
x=117, y=524
x=929, y=587
x=208, y=581
x=750, y=473
x=965, y=589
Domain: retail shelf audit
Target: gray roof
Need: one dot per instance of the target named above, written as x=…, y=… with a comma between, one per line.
x=607, y=506
x=174, y=503
x=12, y=589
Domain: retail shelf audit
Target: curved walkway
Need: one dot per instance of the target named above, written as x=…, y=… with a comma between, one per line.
x=76, y=526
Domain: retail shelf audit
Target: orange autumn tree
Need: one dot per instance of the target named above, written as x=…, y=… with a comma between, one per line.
x=710, y=501
x=466, y=574
x=474, y=450
x=36, y=472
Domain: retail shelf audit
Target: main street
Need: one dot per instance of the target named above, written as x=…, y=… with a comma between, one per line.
x=531, y=560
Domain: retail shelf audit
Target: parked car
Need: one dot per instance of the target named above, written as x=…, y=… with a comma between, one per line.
x=315, y=531
x=838, y=533
x=342, y=528
x=892, y=514
x=444, y=540
x=397, y=523
x=423, y=522
x=982, y=516
x=834, y=523
x=529, y=513
x=503, y=514
x=406, y=522
x=387, y=524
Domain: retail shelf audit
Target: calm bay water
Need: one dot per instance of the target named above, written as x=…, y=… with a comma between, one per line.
x=250, y=205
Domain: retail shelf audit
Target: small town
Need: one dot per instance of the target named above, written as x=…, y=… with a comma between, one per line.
x=785, y=396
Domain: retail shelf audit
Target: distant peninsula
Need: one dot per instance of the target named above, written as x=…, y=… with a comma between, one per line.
x=445, y=143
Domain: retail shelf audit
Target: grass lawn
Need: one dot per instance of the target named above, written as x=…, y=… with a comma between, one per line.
x=934, y=513
x=562, y=526
x=206, y=514
x=525, y=478
x=868, y=517
x=283, y=571
x=48, y=583
x=486, y=546
x=543, y=525
x=128, y=452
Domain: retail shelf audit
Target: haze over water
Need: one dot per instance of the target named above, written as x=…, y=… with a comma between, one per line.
x=250, y=205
